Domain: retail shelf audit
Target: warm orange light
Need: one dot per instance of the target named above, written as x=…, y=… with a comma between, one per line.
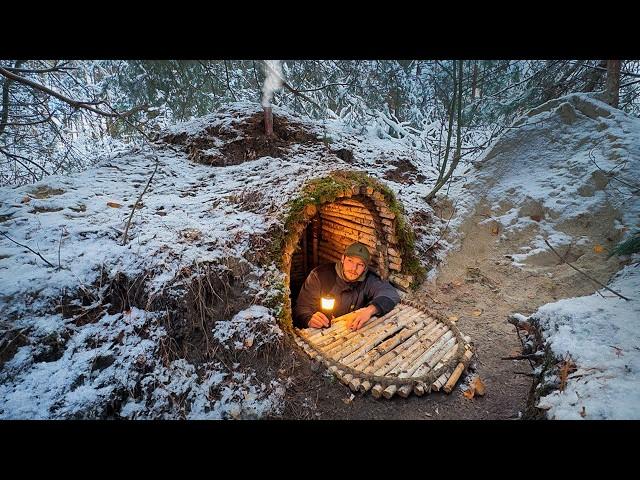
x=327, y=303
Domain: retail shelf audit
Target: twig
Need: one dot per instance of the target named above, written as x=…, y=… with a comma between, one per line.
x=521, y=357
x=580, y=271
x=445, y=228
x=126, y=230
x=522, y=343
x=13, y=340
x=30, y=249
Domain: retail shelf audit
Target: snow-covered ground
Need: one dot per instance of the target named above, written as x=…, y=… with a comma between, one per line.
x=192, y=215
x=600, y=334
x=569, y=166
x=565, y=162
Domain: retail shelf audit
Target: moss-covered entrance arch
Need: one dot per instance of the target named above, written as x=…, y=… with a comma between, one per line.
x=335, y=210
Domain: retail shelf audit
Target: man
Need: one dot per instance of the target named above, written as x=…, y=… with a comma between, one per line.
x=354, y=287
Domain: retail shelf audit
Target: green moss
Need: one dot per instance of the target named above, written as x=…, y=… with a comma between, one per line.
x=325, y=190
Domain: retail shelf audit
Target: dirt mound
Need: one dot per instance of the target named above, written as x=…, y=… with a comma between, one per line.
x=404, y=172
x=221, y=146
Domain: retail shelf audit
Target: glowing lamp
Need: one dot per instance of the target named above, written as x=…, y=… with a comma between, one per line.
x=327, y=304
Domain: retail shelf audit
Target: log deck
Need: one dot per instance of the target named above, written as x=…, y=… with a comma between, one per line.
x=408, y=350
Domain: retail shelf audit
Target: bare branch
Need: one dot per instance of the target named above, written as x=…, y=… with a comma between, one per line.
x=74, y=103
x=16, y=156
x=580, y=271
x=126, y=230
x=28, y=248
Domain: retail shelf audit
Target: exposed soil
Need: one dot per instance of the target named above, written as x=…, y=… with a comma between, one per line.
x=221, y=146
x=479, y=285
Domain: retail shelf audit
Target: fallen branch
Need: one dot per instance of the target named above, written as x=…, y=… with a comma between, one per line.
x=30, y=249
x=126, y=230
x=521, y=357
x=580, y=271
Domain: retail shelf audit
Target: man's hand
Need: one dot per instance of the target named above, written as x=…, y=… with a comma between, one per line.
x=319, y=320
x=362, y=316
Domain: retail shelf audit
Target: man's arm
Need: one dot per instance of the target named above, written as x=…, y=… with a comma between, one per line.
x=308, y=300
x=382, y=295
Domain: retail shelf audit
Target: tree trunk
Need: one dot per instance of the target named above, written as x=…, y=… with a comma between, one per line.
x=613, y=82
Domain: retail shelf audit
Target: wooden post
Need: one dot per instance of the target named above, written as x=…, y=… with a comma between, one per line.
x=315, y=231
x=305, y=254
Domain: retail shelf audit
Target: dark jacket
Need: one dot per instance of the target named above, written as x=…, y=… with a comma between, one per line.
x=323, y=280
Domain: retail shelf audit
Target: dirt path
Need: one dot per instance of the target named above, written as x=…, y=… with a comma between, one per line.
x=479, y=285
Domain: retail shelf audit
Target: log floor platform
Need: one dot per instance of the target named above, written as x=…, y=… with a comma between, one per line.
x=409, y=350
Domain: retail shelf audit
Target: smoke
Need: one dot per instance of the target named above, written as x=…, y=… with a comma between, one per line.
x=273, y=82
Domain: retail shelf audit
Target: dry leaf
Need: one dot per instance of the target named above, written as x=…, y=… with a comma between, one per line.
x=248, y=342
x=583, y=412
x=114, y=204
x=348, y=401
x=476, y=312
x=26, y=199
x=566, y=367
x=453, y=318
x=495, y=229
x=469, y=393
x=478, y=386
x=536, y=218
x=598, y=248
x=457, y=283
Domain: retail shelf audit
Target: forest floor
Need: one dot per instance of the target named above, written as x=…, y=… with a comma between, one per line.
x=481, y=286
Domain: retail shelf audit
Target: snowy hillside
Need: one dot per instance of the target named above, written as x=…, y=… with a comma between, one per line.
x=97, y=329
x=569, y=172
x=88, y=326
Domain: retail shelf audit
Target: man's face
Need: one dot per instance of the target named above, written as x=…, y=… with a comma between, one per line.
x=352, y=267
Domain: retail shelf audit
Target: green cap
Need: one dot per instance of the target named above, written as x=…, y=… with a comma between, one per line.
x=360, y=250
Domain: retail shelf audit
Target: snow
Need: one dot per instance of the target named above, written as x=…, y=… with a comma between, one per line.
x=557, y=165
x=192, y=215
x=550, y=163
x=574, y=161
x=601, y=334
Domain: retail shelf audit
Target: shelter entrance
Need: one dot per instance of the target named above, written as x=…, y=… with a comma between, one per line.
x=336, y=225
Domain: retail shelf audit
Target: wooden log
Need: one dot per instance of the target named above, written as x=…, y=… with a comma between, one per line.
x=458, y=371
x=450, y=352
x=351, y=202
x=400, y=280
x=310, y=210
x=362, y=238
x=420, y=349
x=360, y=219
x=386, y=213
x=442, y=379
x=389, y=344
x=426, y=356
x=368, y=227
x=448, y=348
x=317, y=335
x=392, y=358
x=365, y=386
x=354, y=384
x=362, y=336
x=420, y=389
x=328, y=349
x=361, y=211
x=349, y=231
x=405, y=390
x=376, y=391
x=331, y=255
x=389, y=391
x=367, y=344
